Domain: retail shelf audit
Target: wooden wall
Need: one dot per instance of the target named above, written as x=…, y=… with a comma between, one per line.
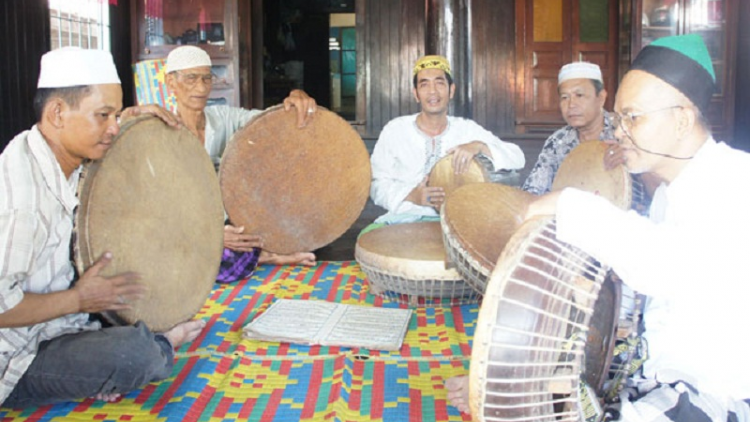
x=493, y=65
x=394, y=35
x=24, y=31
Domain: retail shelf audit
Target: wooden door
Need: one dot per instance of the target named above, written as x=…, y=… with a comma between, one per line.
x=550, y=34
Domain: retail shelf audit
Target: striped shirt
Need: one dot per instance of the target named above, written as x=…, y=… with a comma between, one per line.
x=36, y=223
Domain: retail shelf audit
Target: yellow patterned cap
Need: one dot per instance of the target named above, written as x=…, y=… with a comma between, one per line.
x=433, y=62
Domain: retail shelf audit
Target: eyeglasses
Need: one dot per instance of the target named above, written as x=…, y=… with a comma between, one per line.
x=190, y=79
x=627, y=120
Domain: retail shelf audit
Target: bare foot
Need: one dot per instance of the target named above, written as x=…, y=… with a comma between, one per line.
x=458, y=392
x=108, y=397
x=184, y=332
x=297, y=258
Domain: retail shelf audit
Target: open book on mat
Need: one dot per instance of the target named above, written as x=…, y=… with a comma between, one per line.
x=330, y=324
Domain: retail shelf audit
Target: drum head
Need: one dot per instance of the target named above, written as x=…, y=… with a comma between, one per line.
x=442, y=174
x=154, y=202
x=482, y=218
x=299, y=189
x=583, y=169
x=412, y=249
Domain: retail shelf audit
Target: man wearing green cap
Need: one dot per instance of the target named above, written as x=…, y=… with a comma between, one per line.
x=409, y=146
x=686, y=256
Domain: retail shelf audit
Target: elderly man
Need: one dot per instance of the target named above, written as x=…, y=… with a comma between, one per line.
x=189, y=79
x=50, y=350
x=687, y=256
x=582, y=98
x=409, y=147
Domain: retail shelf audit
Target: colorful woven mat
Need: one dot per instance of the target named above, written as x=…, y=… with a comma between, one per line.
x=222, y=377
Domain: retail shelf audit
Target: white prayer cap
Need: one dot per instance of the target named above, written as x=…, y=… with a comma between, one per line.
x=74, y=66
x=187, y=57
x=580, y=70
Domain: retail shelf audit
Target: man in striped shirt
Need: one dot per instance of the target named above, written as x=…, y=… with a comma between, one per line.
x=49, y=350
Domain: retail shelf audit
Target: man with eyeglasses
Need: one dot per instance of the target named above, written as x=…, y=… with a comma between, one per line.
x=687, y=256
x=190, y=80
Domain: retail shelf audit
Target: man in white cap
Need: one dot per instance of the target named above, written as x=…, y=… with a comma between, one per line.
x=582, y=97
x=189, y=79
x=50, y=351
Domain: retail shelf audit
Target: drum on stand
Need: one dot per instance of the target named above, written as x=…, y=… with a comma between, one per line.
x=477, y=221
x=406, y=263
x=533, y=328
x=442, y=174
x=154, y=202
x=299, y=189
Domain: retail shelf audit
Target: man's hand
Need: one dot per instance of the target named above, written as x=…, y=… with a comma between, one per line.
x=614, y=156
x=428, y=196
x=97, y=293
x=153, y=110
x=303, y=103
x=236, y=240
x=463, y=154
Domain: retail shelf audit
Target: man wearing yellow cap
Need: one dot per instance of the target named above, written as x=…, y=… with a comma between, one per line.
x=49, y=350
x=409, y=146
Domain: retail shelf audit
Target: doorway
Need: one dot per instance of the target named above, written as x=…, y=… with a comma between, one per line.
x=310, y=45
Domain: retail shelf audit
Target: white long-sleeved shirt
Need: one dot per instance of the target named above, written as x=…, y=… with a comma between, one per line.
x=404, y=155
x=691, y=259
x=221, y=124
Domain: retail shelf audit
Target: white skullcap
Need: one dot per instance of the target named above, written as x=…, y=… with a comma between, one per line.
x=187, y=57
x=580, y=70
x=74, y=66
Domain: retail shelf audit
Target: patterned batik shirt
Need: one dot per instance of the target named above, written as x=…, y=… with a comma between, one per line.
x=37, y=203
x=555, y=149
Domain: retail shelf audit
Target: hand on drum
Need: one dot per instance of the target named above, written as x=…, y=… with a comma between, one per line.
x=97, y=293
x=303, y=103
x=236, y=240
x=428, y=196
x=614, y=156
x=463, y=154
x=152, y=109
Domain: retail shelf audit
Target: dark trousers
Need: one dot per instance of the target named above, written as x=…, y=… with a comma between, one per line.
x=80, y=365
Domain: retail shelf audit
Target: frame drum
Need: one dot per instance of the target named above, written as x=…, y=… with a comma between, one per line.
x=477, y=221
x=299, y=189
x=532, y=329
x=154, y=202
x=406, y=263
x=479, y=171
x=583, y=168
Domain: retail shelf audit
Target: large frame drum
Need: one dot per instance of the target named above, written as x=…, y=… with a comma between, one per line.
x=528, y=350
x=154, y=202
x=299, y=189
x=477, y=221
x=442, y=174
x=406, y=263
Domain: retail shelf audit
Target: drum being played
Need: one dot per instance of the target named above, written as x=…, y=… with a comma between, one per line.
x=477, y=221
x=406, y=263
x=532, y=329
x=443, y=175
x=299, y=189
x=154, y=202
x=583, y=168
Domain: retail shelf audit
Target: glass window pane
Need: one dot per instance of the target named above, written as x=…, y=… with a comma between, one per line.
x=349, y=64
x=594, y=21
x=348, y=39
x=548, y=21
x=348, y=85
